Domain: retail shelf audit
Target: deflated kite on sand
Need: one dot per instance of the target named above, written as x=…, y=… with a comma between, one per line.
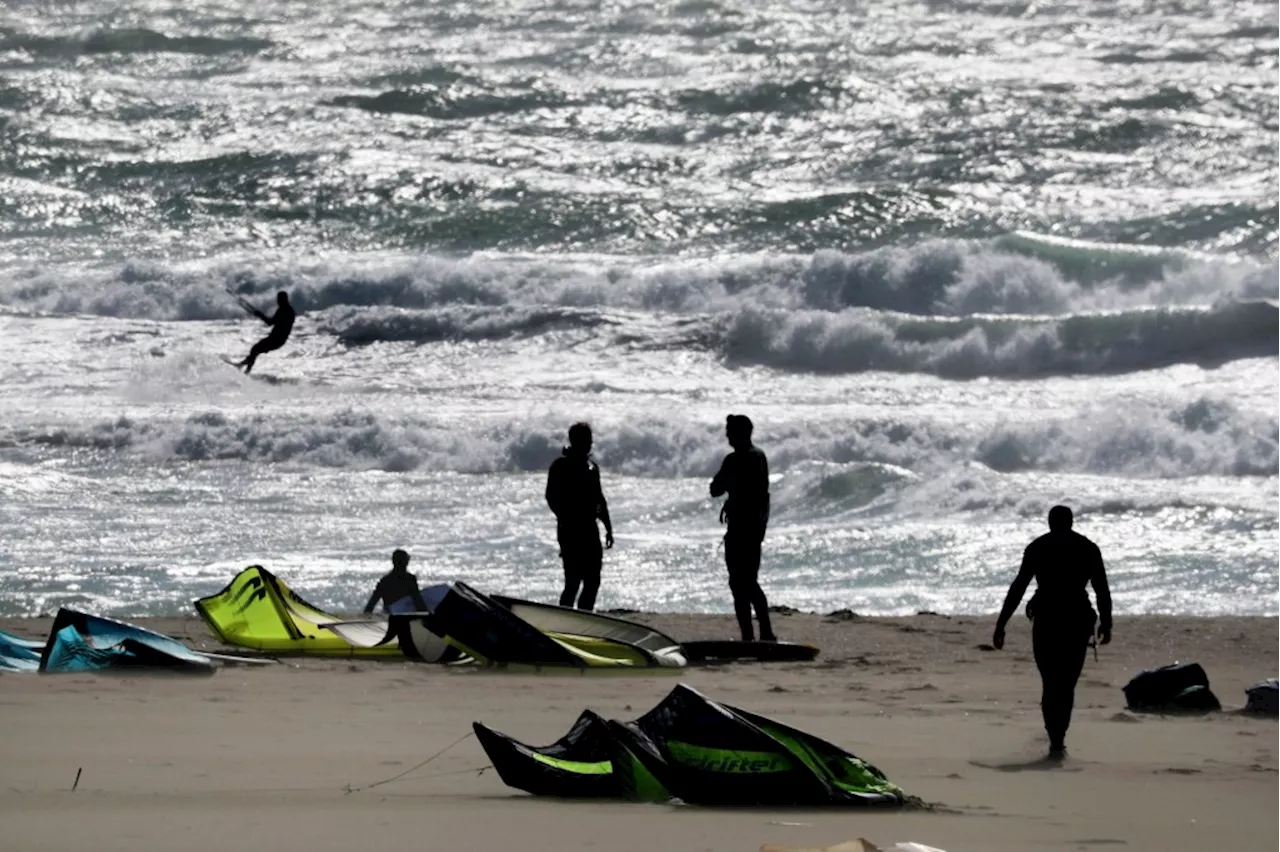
x=694, y=749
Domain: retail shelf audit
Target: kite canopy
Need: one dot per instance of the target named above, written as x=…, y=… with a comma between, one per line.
x=79, y=642
x=496, y=635
x=405, y=626
x=18, y=654
x=461, y=625
x=640, y=644
x=589, y=762
x=691, y=748
x=257, y=610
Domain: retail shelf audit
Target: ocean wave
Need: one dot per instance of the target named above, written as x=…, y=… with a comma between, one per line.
x=356, y=328
x=129, y=40
x=821, y=487
x=455, y=101
x=854, y=341
x=1205, y=437
x=1017, y=274
x=800, y=95
x=859, y=340
x=947, y=308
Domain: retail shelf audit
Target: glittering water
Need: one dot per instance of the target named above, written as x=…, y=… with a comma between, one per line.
x=958, y=261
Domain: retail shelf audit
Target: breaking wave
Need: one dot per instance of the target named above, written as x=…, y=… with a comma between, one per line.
x=855, y=341
x=1020, y=306
x=1207, y=437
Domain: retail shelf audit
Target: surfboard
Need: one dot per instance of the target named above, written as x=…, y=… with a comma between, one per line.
x=260, y=377
x=731, y=651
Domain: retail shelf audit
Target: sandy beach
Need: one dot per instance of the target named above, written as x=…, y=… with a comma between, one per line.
x=283, y=756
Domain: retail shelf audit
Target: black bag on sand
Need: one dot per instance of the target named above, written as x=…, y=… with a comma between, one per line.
x=1181, y=687
x=1262, y=698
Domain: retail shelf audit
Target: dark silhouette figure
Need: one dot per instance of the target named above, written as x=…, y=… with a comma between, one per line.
x=1063, y=562
x=744, y=476
x=281, y=323
x=575, y=496
x=396, y=585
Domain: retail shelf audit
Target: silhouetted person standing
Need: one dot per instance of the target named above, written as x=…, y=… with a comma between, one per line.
x=1063, y=562
x=281, y=323
x=744, y=476
x=575, y=496
x=397, y=584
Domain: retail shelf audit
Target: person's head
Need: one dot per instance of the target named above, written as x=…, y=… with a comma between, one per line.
x=738, y=429
x=282, y=298
x=1060, y=519
x=580, y=438
x=399, y=560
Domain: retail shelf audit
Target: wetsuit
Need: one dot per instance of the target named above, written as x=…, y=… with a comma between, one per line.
x=281, y=325
x=394, y=586
x=575, y=496
x=1062, y=562
x=744, y=476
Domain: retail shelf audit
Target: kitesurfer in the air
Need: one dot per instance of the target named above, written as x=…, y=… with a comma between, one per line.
x=281, y=323
x=397, y=585
x=575, y=496
x=744, y=476
x=1062, y=562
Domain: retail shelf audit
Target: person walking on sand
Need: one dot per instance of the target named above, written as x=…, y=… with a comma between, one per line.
x=1062, y=562
x=577, y=500
x=744, y=476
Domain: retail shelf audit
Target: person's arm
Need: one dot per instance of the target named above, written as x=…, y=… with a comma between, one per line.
x=1103, y=593
x=720, y=482
x=555, y=489
x=373, y=599
x=418, y=602
x=602, y=512
x=1013, y=598
x=244, y=303
x=765, y=505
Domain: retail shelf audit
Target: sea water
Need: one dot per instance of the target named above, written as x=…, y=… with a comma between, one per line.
x=959, y=262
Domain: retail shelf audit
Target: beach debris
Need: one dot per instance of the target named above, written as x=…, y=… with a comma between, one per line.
x=1178, y=687
x=1262, y=698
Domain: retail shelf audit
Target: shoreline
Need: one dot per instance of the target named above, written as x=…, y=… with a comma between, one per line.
x=1233, y=647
